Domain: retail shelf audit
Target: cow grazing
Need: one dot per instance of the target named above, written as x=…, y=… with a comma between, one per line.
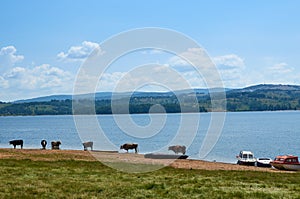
x=55, y=144
x=128, y=146
x=178, y=149
x=86, y=145
x=16, y=142
x=44, y=144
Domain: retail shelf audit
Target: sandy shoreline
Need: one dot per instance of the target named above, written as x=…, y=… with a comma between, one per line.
x=53, y=155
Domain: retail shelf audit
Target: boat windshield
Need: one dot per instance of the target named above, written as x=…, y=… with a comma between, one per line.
x=247, y=156
x=279, y=159
x=264, y=159
x=291, y=160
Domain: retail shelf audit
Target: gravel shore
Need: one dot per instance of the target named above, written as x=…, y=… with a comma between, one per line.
x=105, y=156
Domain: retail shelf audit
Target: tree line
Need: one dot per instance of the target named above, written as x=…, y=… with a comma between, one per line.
x=261, y=100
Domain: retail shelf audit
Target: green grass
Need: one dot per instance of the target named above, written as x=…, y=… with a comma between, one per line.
x=82, y=179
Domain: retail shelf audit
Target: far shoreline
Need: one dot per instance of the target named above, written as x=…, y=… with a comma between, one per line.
x=208, y=112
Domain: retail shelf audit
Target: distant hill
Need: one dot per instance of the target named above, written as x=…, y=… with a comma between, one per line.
x=45, y=98
x=263, y=97
x=260, y=87
x=108, y=95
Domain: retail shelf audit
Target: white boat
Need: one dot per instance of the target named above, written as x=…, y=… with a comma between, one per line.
x=246, y=158
x=263, y=162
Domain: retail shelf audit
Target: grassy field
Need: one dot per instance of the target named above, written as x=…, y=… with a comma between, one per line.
x=70, y=178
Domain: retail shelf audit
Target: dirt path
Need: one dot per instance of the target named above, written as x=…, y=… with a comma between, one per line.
x=54, y=155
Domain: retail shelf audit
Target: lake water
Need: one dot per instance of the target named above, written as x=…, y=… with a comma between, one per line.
x=267, y=134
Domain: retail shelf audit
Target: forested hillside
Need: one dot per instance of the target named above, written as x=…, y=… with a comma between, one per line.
x=255, y=98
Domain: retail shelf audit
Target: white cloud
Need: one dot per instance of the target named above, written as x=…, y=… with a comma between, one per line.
x=232, y=70
x=39, y=77
x=171, y=73
x=281, y=68
x=3, y=82
x=149, y=78
x=21, y=82
x=194, y=79
x=197, y=60
x=177, y=61
x=112, y=77
x=78, y=53
x=193, y=56
x=280, y=73
x=152, y=51
x=229, y=61
x=8, y=56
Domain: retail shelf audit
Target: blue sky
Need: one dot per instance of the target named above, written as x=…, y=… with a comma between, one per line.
x=43, y=43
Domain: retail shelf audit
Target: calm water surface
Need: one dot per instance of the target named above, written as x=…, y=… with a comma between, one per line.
x=267, y=134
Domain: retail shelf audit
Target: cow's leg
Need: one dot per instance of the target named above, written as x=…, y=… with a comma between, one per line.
x=135, y=150
x=91, y=147
x=15, y=146
x=21, y=146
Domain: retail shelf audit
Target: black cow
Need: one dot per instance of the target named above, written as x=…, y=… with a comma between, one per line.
x=16, y=142
x=128, y=146
x=44, y=144
x=55, y=144
x=178, y=149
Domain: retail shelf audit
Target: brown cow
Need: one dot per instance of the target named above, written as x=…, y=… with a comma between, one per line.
x=86, y=145
x=55, y=144
x=178, y=149
x=128, y=146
